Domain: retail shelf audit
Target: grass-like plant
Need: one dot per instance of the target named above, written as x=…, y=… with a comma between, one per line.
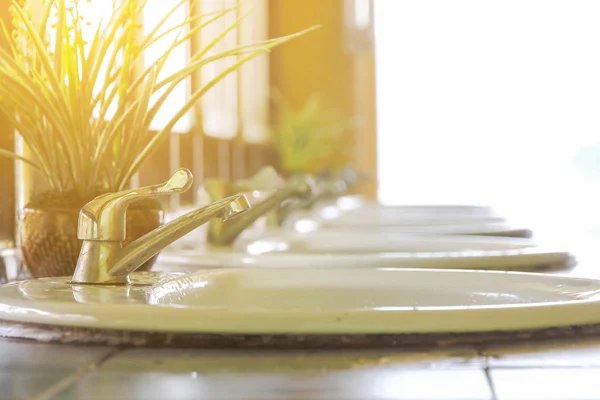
x=312, y=138
x=59, y=88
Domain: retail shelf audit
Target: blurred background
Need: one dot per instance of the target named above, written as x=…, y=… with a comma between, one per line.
x=491, y=102
x=439, y=102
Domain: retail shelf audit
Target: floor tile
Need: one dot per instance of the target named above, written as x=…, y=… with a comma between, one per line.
x=18, y=355
x=168, y=360
x=369, y=383
x=584, y=353
x=27, y=369
x=546, y=384
x=19, y=385
x=217, y=374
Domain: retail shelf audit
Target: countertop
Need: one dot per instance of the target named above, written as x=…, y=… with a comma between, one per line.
x=566, y=370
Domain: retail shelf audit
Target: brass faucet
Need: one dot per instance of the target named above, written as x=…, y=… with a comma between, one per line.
x=103, y=260
x=264, y=181
x=325, y=188
x=352, y=177
x=224, y=233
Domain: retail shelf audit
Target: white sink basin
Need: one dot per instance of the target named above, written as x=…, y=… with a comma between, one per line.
x=308, y=222
x=327, y=249
x=358, y=203
x=434, y=210
x=339, y=242
x=386, y=218
x=350, y=212
x=309, y=301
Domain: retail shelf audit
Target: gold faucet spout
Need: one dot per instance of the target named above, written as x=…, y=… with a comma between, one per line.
x=103, y=260
x=224, y=233
x=137, y=253
x=324, y=189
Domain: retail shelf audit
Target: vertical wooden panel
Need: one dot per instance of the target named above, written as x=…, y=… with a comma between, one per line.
x=238, y=159
x=366, y=132
x=197, y=165
x=7, y=183
x=156, y=168
x=224, y=159
x=210, y=157
x=7, y=170
x=316, y=62
x=321, y=63
x=254, y=158
x=270, y=156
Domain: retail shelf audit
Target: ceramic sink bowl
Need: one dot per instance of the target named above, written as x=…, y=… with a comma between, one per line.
x=258, y=307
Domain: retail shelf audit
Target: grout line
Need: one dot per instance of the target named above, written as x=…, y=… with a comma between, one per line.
x=546, y=366
x=490, y=381
x=79, y=374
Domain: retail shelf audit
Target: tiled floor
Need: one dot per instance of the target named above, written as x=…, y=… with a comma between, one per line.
x=29, y=369
x=37, y=371
x=88, y=373
x=547, y=383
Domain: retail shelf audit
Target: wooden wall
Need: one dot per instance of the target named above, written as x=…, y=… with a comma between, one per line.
x=7, y=170
x=319, y=62
x=322, y=62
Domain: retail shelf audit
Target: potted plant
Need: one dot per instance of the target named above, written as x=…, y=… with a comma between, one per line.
x=312, y=138
x=59, y=87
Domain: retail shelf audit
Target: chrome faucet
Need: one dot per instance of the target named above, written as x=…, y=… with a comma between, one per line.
x=103, y=260
x=224, y=233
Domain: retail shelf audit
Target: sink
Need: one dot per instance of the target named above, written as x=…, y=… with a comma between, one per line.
x=349, y=210
x=264, y=301
x=331, y=218
x=376, y=218
x=359, y=204
x=339, y=242
x=353, y=212
x=395, y=215
x=338, y=249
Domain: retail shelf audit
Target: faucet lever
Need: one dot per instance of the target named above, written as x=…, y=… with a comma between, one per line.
x=104, y=217
x=265, y=179
x=104, y=261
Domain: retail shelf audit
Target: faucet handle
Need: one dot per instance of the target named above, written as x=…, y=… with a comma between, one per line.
x=331, y=188
x=265, y=179
x=104, y=217
x=303, y=185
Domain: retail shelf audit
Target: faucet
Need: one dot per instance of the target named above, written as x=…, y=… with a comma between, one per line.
x=325, y=188
x=264, y=181
x=352, y=177
x=328, y=186
x=101, y=226
x=224, y=233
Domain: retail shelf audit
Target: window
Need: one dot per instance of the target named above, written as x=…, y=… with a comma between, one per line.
x=254, y=76
x=220, y=104
x=490, y=102
x=154, y=12
x=241, y=99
